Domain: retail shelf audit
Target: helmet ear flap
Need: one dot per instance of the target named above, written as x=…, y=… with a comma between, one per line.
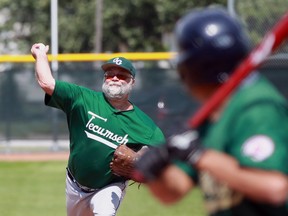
x=211, y=44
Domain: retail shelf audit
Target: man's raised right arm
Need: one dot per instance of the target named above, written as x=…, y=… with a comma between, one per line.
x=42, y=69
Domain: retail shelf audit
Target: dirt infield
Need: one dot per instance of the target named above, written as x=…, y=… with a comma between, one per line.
x=49, y=156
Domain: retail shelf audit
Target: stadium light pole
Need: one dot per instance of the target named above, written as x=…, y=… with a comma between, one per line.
x=98, y=30
x=98, y=26
x=54, y=65
x=231, y=7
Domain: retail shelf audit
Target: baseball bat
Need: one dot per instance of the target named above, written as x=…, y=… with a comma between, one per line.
x=271, y=41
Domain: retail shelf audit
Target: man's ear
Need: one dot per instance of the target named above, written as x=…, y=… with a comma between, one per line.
x=133, y=81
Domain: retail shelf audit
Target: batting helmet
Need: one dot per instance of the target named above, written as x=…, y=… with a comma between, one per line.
x=211, y=43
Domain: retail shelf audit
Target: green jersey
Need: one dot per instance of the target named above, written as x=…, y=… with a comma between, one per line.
x=96, y=128
x=253, y=128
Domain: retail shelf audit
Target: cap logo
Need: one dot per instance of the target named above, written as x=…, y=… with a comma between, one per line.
x=117, y=61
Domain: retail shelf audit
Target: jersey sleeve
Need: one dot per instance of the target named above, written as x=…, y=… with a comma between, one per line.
x=157, y=137
x=192, y=173
x=260, y=137
x=63, y=96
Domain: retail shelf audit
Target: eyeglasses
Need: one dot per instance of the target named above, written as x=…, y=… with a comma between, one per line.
x=109, y=75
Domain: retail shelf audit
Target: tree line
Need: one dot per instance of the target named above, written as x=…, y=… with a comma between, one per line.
x=138, y=25
x=127, y=26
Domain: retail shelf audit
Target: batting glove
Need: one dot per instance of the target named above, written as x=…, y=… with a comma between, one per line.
x=185, y=147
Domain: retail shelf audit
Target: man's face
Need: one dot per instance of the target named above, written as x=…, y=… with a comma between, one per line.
x=117, y=83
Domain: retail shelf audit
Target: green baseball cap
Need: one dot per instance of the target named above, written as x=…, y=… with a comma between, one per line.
x=120, y=62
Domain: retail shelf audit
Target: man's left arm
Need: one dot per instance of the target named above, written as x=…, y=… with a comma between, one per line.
x=260, y=185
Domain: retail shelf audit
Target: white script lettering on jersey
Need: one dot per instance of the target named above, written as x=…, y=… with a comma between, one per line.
x=103, y=132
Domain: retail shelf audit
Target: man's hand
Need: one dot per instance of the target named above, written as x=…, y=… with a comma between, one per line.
x=151, y=163
x=39, y=49
x=185, y=146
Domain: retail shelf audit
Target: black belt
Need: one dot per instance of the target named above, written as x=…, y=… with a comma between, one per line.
x=82, y=188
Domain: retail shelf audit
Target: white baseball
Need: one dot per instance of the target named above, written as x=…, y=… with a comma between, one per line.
x=42, y=46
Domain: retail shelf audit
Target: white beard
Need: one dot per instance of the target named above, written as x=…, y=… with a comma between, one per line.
x=116, y=90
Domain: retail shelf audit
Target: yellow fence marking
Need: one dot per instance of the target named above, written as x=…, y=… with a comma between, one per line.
x=81, y=57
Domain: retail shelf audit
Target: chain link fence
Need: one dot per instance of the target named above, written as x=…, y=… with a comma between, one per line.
x=26, y=124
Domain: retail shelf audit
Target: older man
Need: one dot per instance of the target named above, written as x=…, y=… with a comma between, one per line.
x=98, y=123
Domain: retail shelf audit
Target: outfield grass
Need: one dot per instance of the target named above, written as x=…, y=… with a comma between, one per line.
x=139, y=202
x=38, y=188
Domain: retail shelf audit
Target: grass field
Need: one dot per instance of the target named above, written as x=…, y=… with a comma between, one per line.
x=37, y=188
